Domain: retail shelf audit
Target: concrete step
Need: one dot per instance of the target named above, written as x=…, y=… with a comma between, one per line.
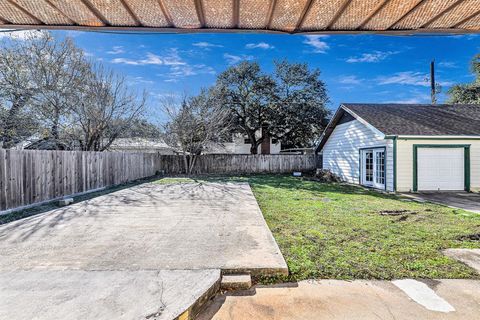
x=236, y=282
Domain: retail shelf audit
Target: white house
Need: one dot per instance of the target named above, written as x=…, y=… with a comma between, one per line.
x=240, y=144
x=405, y=147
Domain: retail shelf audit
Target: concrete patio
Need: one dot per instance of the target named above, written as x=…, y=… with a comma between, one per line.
x=359, y=300
x=105, y=250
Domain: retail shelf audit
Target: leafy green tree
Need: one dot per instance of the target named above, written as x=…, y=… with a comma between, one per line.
x=247, y=94
x=300, y=104
x=289, y=105
x=468, y=93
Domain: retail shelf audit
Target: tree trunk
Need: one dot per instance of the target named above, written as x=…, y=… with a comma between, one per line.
x=193, y=159
x=253, y=148
x=8, y=131
x=54, y=130
x=185, y=162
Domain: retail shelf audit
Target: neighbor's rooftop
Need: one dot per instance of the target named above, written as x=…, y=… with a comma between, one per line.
x=323, y=16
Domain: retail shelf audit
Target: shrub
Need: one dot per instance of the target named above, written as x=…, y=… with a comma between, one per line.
x=325, y=175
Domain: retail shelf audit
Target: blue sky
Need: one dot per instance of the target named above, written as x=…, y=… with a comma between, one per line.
x=361, y=68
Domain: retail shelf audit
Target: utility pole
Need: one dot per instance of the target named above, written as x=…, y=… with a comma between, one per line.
x=432, y=82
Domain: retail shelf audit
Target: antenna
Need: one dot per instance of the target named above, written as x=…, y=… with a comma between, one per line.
x=432, y=82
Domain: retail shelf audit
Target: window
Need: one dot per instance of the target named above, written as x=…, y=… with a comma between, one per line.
x=380, y=167
x=369, y=166
x=274, y=141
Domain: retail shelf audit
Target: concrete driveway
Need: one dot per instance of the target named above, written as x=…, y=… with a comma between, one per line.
x=360, y=300
x=460, y=200
x=145, y=251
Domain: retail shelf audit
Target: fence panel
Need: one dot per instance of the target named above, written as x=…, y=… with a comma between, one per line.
x=32, y=176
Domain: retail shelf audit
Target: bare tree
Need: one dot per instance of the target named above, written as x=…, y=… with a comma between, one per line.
x=58, y=70
x=194, y=124
x=16, y=87
x=105, y=108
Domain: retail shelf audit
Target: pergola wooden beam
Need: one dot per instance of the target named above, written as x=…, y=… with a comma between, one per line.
x=95, y=12
x=200, y=13
x=60, y=11
x=236, y=13
x=110, y=29
x=165, y=12
x=26, y=12
x=339, y=13
x=467, y=18
x=406, y=14
x=131, y=13
x=271, y=11
x=304, y=13
x=373, y=14
x=438, y=16
x=4, y=21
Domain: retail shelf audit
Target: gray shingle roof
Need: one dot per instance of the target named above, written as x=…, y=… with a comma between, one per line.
x=420, y=119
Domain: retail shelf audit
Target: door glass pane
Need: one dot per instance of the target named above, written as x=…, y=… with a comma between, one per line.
x=380, y=167
x=369, y=166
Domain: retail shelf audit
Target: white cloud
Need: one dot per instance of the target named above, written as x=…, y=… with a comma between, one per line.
x=181, y=71
x=205, y=44
x=21, y=34
x=233, y=59
x=140, y=80
x=318, y=45
x=260, y=45
x=415, y=96
x=406, y=77
x=409, y=78
x=349, y=79
x=448, y=64
x=171, y=59
x=375, y=56
x=116, y=50
x=408, y=101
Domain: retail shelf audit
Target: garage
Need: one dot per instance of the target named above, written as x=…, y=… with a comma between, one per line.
x=405, y=147
x=441, y=167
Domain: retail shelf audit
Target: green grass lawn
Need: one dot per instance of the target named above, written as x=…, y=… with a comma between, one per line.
x=337, y=231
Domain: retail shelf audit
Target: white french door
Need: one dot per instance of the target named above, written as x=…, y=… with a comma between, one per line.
x=372, y=168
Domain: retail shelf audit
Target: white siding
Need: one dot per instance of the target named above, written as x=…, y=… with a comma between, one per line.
x=238, y=146
x=341, y=151
x=405, y=161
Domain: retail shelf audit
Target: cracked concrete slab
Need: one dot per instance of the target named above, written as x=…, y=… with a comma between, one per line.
x=101, y=257
x=151, y=226
x=77, y=294
x=470, y=257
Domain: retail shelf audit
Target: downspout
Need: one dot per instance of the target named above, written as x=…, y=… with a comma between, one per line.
x=395, y=163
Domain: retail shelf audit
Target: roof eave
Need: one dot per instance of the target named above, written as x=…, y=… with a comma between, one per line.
x=333, y=123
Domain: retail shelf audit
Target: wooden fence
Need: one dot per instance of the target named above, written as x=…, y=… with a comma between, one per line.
x=28, y=177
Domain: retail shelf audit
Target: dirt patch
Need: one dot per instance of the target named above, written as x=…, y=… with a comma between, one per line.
x=396, y=212
x=470, y=237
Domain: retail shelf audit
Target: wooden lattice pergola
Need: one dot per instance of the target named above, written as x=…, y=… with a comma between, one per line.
x=292, y=16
